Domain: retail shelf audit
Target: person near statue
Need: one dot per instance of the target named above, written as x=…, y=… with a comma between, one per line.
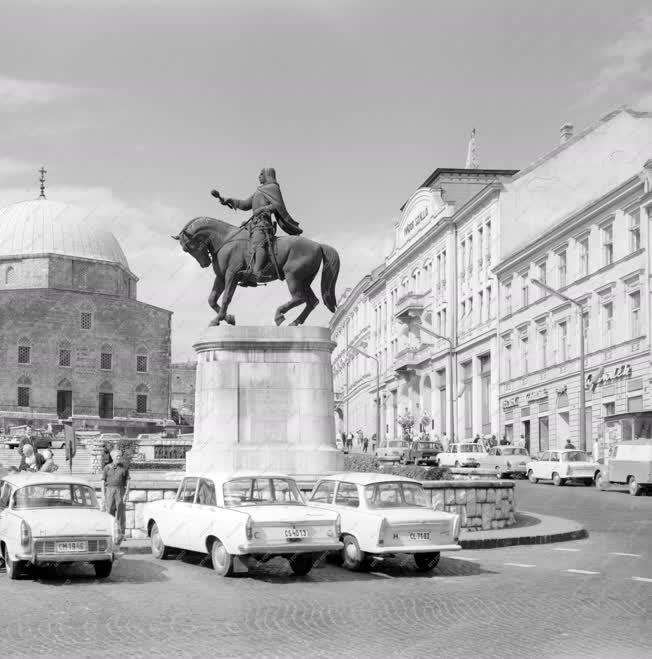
x=267, y=205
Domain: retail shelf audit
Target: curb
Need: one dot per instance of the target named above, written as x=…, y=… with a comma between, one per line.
x=553, y=529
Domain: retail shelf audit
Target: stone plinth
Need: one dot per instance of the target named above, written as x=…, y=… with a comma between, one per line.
x=264, y=401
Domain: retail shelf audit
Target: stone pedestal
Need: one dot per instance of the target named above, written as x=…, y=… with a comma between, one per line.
x=264, y=401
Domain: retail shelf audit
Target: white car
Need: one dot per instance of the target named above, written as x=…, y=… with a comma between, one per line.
x=392, y=451
x=239, y=515
x=46, y=518
x=385, y=515
x=563, y=465
x=506, y=460
x=467, y=454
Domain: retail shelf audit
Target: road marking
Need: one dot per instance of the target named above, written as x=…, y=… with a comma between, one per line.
x=520, y=564
x=641, y=579
x=380, y=574
x=582, y=571
x=464, y=558
x=564, y=549
x=622, y=553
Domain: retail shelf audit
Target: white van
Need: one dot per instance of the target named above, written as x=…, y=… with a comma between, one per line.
x=628, y=463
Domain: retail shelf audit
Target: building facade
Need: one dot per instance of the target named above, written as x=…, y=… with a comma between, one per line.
x=75, y=342
x=182, y=391
x=437, y=277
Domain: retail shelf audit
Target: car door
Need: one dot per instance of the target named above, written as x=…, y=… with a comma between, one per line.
x=181, y=519
x=323, y=494
x=347, y=503
x=540, y=466
x=554, y=465
x=204, y=515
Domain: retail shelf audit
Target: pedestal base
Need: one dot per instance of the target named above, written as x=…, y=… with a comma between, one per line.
x=264, y=401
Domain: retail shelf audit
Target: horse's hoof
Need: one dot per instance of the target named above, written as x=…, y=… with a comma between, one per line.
x=230, y=319
x=279, y=318
x=295, y=323
x=214, y=322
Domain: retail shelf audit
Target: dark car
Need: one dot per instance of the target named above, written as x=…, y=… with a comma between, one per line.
x=422, y=452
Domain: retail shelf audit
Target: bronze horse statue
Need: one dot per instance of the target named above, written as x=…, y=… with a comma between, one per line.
x=226, y=247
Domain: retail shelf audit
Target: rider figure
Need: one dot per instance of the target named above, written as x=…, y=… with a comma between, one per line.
x=266, y=203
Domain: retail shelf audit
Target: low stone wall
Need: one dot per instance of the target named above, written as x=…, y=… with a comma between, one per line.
x=482, y=505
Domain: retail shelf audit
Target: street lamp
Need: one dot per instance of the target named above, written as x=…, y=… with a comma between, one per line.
x=580, y=308
x=450, y=374
x=364, y=354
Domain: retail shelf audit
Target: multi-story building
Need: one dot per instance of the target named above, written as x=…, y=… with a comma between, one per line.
x=577, y=220
x=437, y=276
x=74, y=339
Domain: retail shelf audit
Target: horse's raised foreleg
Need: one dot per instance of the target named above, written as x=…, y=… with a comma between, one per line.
x=216, y=291
x=230, y=282
x=311, y=303
x=298, y=293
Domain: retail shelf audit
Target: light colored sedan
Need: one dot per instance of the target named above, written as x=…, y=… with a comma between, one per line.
x=393, y=450
x=507, y=460
x=50, y=519
x=385, y=515
x=563, y=465
x=239, y=515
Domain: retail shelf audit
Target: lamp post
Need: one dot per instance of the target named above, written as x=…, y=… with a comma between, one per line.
x=580, y=309
x=451, y=400
x=364, y=354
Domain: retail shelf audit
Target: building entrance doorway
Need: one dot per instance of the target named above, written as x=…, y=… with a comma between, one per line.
x=563, y=429
x=543, y=434
x=106, y=406
x=64, y=404
x=526, y=435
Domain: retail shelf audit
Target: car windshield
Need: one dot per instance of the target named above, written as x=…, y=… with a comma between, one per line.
x=424, y=445
x=575, y=456
x=470, y=448
x=261, y=492
x=395, y=495
x=514, y=451
x=55, y=495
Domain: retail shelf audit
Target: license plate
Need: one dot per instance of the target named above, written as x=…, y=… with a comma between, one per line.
x=296, y=533
x=65, y=547
x=419, y=535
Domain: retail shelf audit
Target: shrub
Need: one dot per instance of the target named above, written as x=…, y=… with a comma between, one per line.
x=368, y=463
x=158, y=466
x=128, y=448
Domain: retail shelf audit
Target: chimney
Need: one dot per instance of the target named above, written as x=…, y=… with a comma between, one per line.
x=565, y=133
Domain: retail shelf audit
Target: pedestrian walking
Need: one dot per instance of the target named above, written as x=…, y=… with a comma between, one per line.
x=504, y=441
x=115, y=490
x=569, y=444
x=374, y=440
x=106, y=456
x=477, y=439
x=365, y=444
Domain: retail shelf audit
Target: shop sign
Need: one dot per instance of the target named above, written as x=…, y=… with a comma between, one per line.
x=621, y=372
x=536, y=395
x=416, y=221
x=510, y=402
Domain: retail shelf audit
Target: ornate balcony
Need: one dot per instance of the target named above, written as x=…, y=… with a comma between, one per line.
x=409, y=358
x=410, y=307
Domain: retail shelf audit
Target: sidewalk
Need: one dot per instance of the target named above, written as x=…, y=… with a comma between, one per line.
x=530, y=529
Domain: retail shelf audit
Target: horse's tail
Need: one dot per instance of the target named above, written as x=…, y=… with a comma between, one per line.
x=329, y=273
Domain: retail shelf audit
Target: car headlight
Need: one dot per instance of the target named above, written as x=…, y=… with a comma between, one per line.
x=25, y=534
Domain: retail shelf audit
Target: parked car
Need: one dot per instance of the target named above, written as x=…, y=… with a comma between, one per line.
x=46, y=518
x=392, y=450
x=465, y=454
x=507, y=460
x=234, y=516
x=563, y=465
x=386, y=515
x=421, y=452
x=628, y=463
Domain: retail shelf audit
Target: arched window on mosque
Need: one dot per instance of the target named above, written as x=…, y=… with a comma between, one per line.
x=10, y=276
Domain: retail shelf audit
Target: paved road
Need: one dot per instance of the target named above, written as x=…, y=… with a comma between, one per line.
x=586, y=598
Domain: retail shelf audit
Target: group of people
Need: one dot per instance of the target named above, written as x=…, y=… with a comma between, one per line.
x=32, y=460
x=359, y=439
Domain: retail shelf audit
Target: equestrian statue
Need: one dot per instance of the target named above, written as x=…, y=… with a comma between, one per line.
x=251, y=254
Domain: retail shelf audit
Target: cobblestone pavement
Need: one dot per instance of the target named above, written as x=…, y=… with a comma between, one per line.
x=587, y=598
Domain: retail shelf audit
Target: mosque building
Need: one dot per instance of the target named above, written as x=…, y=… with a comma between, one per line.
x=75, y=341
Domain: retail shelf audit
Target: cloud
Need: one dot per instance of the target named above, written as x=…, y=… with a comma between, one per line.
x=16, y=93
x=626, y=66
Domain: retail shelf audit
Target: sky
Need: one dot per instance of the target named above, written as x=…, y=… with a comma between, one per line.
x=139, y=108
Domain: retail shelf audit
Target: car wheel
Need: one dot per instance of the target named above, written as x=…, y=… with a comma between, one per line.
x=557, y=479
x=14, y=568
x=103, y=569
x=601, y=483
x=353, y=557
x=531, y=477
x=634, y=488
x=159, y=549
x=301, y=564
x=427, y=562
x=222, y=560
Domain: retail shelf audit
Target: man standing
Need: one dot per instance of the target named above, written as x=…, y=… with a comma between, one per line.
x=115, y=490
